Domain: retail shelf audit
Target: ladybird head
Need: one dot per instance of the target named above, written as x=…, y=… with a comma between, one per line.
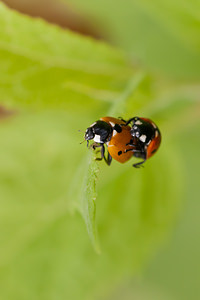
x=142, y=129
x=89, y=134
x=99, y=131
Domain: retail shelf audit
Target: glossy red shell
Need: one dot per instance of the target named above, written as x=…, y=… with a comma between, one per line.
x=155, y=143
x=118, y=142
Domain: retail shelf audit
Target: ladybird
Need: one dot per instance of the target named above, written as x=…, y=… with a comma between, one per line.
x=115, y=134
x=146, y=138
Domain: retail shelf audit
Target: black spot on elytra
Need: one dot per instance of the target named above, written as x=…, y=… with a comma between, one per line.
x=120, y=152
x=118, y=128
x=153, y=151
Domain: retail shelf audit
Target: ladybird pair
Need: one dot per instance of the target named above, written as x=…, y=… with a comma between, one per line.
x=139, y=137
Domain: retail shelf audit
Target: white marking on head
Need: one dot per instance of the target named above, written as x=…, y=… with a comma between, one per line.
x=93, y=124
x=154, y=125
x=138, y=122
x=114, y=132
x=156, y=133
x=97, y=138
x=143, y=138
x=112, y=124
x=137, y=134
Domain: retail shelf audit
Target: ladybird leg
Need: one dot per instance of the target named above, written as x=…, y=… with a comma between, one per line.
x=102, y=152
x=129, y=121
x=131, y=144
x=140, y=164
x=120, y=118
x=95, y=145
x=137, y=165
x=92, y=146
x=132, y=119
x=138, y=146
x=133, y=150
x=108, y=160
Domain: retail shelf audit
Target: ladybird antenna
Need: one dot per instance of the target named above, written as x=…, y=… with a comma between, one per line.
x=82, y=142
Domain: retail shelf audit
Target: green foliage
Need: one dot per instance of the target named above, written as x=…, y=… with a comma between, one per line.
x=87, y=196
x=57, y=83
x=163, y=35
x=68, y=65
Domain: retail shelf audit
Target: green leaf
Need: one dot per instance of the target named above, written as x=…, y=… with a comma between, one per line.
x=83, y=199
x=45, y=252
x=36, y=167
x=161, y=35
x=87, y=204
x=184, y=19
x=47, y=185
x=44, y=66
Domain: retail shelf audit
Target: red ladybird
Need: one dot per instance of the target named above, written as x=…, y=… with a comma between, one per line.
x=115, y=134
x=146, y=138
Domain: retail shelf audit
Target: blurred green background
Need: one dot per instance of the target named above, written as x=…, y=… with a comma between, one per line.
x=71, y=228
